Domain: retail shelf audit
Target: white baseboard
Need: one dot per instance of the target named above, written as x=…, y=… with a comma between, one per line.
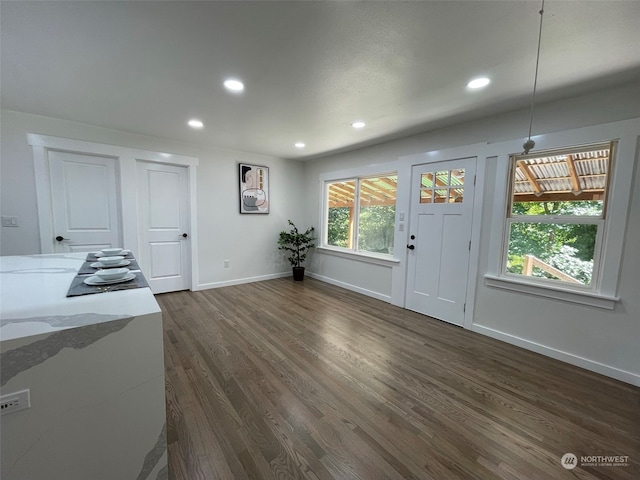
x=607, y=370
x=353, y=288
x=240, y=281
x=601, y=368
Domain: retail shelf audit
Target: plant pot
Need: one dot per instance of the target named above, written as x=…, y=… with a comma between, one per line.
x=298, y=274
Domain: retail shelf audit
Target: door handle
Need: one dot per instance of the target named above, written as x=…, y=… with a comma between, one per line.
x=60, y=238
x=185, y=235
x=411, y=247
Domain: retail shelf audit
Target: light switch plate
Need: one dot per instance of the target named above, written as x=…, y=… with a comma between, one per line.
x=9, y=221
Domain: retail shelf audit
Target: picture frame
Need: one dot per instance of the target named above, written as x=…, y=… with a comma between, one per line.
x=254, y=188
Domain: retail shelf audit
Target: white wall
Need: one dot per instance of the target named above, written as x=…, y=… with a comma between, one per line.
x=247, y=241
x=622, y=102
x=369, y=279
x=601, y=340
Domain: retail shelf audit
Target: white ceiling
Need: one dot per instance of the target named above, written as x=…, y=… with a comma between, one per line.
x=310, y=68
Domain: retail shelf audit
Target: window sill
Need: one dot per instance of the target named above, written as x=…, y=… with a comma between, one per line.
x=584, y=298
x=362, y=257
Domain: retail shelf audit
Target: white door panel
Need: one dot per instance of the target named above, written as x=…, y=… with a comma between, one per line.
x=94, y=247
x=454, y=258
x=85, y=201
x=164, y=189
x=424, y=281
x=440, y=225
x=165, y=259
x=163, y=212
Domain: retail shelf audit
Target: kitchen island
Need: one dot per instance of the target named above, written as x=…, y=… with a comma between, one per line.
x=93, y=365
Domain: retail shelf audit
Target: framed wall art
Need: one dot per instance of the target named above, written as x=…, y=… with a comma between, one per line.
x=254, y=188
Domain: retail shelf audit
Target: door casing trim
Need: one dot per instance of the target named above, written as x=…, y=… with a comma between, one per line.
x=127, y=159
x=406, y=164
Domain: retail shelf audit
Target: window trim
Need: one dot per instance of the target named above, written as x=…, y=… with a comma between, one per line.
x=600, y=220
x=627, y=134
x=557, y=292
x=594, y=286
x=367, y=257
x=371, y=257
x=612, y=145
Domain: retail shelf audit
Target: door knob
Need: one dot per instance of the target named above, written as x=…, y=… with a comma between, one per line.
x=185, y=235
x=411, y=247
x=60, y=238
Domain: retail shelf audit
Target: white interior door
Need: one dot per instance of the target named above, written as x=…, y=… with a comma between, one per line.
x=440, y=234
x=163, y=213
x=85, y=202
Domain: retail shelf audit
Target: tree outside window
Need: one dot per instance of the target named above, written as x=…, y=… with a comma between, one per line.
x=365, y=225
x=556, y=218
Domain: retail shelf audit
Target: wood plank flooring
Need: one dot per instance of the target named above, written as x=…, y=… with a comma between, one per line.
x=289, y=380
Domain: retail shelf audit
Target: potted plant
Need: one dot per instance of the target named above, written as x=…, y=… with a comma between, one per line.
x=296, y=244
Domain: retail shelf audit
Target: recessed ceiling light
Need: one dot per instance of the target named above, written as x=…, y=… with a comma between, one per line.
x=195, y=123
x=300, y=145
x=358, y=124
x=233, y=85
x=479, y=82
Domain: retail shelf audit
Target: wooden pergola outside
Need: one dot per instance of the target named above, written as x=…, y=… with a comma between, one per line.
x=373, y=191
x=577, y=176
x=378, y=191
x=567, y=177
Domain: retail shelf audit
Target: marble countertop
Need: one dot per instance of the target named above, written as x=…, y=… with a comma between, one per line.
x=33, y=298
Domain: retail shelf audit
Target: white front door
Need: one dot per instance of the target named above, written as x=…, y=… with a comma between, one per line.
x=440, y=238
x=163, y=213
x=85, y=202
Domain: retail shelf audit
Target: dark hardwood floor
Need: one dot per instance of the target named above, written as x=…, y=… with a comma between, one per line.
x=281, y=379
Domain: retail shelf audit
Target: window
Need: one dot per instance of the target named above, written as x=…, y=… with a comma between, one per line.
x=360, y=214
x=556, y=217
x=445, y=186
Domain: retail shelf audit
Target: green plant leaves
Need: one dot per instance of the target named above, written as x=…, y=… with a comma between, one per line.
x=296, y=243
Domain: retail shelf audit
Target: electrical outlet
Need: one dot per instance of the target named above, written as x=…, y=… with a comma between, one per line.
x=226, y=264
x=14, y=402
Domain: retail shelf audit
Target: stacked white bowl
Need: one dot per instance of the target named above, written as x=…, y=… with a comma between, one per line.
x=110, y=252
x=112, y=274
x=109, y=261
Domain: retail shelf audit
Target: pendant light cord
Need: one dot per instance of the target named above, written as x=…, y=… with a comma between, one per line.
x=535, y=78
